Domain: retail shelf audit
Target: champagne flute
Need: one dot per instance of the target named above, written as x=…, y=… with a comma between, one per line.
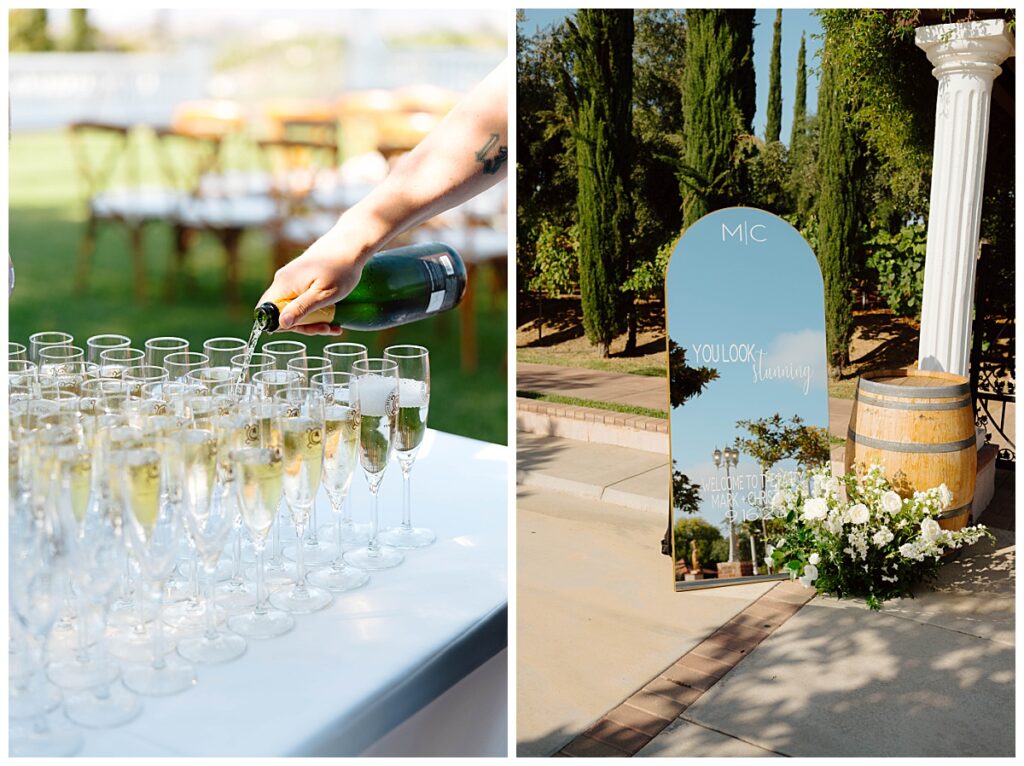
x=413, y=402
x=210, y=519
x=343, y=356
x=284, y=351
x=315, y=553
x=376, y=397
x=341, y=448
x=209, y=377
x=181, y=363
x=100, y=343
x=308, y=366
x=270, y=383
x=158, y=349
x=153, y=529
x=138, y=376
x=114, y=361
x=16, y=352
x=37, y=574
x=40, y=340
x=258, y=470
x=74, y=374
x=53, y=358
x=256, y=363
x=95, y=546
x=301, y=421
x=223, y=350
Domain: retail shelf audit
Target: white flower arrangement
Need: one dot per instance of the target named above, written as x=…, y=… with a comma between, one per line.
x=867, y=541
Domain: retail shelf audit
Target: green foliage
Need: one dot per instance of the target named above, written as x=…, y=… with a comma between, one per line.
x=718, y=106
x=706, y=535
x=555, y=264
x=836, y=209
x=685, y=494
x=684, y=381
x=658, y=58
x=599, y=84
x=799, y=97
x=899, y=261
x=770, y=179
x=773, y=439
x=81, y=34
x=773, y=125
x=648, y=276
x=890, y=94
x=27, y=32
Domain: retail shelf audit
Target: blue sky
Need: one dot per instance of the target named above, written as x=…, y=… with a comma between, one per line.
x=794, y=22
x=766, y=296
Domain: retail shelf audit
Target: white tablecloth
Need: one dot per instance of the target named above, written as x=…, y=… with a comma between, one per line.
x=351, y=673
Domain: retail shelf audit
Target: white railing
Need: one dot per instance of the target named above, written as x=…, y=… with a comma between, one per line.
x=49, y=90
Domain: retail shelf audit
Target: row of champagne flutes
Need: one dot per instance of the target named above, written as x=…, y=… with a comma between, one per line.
x=114, y=466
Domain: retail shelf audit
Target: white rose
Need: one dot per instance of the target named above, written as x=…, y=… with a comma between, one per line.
x=815, y=509
x=858, y=514
x=930, y=530
x=807, y=582
x=945, y=496
x=779, y=501
x=891, y=502
x=814, y=558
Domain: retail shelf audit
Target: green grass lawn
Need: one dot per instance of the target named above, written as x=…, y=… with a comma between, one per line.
x=46, y=222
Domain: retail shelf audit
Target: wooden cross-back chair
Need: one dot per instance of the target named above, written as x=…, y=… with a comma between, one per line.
x=131, y=204
x=222, y=202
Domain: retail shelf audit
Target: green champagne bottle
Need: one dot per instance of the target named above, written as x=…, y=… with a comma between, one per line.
x=397, y=287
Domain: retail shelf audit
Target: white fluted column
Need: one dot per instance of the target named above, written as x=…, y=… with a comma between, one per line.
x=966, y=57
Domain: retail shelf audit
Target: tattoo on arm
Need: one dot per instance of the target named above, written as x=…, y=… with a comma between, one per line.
x=492, y=164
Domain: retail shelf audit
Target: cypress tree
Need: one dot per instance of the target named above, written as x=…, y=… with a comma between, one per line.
x=773, y=128
x=800, y=99
x=718, y=107
x=600, y=90
x=836, y=211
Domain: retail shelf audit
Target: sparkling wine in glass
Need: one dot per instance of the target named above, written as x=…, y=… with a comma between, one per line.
x=258, y=471
x=301, y=422
x=341, y=454
x=413, y=403
x=375, y=394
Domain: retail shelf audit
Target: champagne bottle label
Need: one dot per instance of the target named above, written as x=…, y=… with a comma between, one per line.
x=439, y=272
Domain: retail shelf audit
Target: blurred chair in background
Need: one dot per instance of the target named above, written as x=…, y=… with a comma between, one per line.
x=108, y=162
x=218, y=199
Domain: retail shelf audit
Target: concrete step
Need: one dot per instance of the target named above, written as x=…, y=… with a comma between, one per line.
x=626, y=477
x=588, y=424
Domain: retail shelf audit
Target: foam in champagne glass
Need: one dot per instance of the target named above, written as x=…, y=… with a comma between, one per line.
x=412, y=393
x=375, y=391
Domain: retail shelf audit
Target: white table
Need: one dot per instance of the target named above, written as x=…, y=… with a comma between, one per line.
x=348, y=675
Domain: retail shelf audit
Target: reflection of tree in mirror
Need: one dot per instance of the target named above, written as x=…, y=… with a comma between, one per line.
x=712, y=546
x=685, y=494
x=685, y=382
x=773, y=439
x=705, y=533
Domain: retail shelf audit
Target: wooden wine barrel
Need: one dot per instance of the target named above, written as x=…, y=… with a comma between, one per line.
x=920, y=426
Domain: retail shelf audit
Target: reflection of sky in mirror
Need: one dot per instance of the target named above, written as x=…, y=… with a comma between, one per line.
x=754, y=311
